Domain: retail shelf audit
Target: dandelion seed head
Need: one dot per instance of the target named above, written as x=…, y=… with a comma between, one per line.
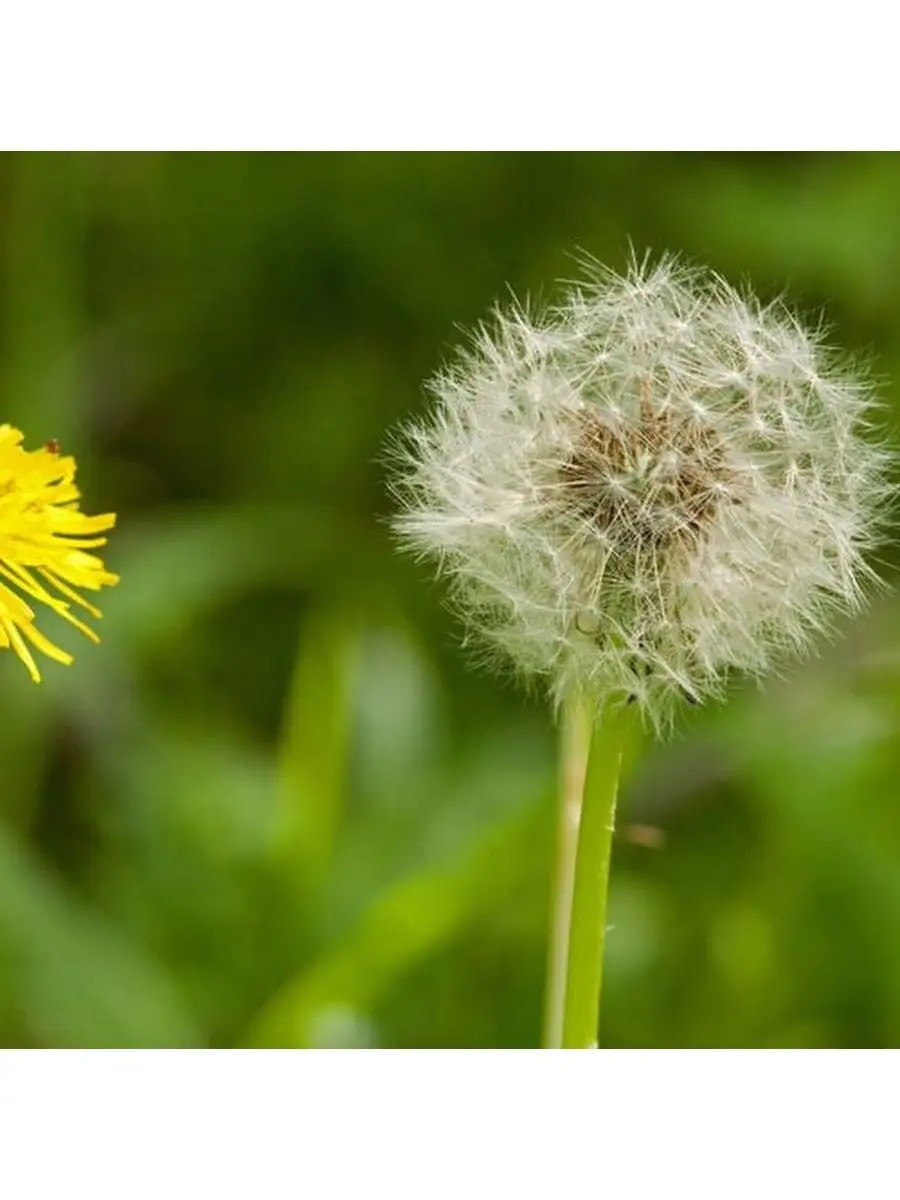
x=651, y=485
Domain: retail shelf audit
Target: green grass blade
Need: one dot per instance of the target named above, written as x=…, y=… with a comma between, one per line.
x=315, y=744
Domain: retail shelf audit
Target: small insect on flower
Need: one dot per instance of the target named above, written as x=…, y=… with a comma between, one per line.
x=647, y=487
x=43, y=544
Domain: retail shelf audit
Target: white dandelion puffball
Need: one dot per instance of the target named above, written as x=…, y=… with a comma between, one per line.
x=653, y=484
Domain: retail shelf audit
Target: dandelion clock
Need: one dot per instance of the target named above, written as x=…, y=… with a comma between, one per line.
x=634, y=495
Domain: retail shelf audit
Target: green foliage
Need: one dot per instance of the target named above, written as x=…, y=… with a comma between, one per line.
x=277, y=806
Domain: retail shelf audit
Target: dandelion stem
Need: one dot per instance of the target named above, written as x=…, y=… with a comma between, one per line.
x=575, y=743
x=592, y=749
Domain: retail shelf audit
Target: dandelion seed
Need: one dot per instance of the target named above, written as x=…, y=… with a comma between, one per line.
x=654, y=484
x=44, y=540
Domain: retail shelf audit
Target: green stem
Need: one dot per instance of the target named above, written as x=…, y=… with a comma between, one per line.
x=575, y=742
x=583, y=872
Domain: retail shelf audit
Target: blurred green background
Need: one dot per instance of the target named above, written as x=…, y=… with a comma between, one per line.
x=277, y=806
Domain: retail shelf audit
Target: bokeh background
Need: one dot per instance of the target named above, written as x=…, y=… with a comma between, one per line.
x=277, y=806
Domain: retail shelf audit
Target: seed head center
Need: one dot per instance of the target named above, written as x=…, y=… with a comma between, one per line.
x=653, y=482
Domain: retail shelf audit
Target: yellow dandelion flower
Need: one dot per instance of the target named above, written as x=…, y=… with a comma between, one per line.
x=43, y=539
